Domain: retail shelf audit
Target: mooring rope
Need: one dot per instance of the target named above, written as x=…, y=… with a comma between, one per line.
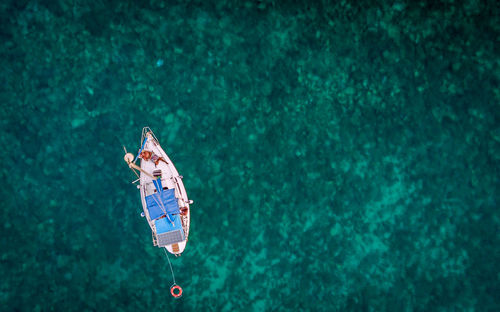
x=170, y=264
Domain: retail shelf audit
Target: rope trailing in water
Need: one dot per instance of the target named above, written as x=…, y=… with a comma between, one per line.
x=170, y=264
x=175, y=290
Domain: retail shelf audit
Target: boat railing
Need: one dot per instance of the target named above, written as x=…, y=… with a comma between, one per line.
x=155, y=241
x=145, y=132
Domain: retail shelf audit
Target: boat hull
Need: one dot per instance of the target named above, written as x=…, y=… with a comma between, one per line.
x=170, y=179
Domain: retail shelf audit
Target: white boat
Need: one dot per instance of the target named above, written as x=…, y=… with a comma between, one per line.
x=164, y=198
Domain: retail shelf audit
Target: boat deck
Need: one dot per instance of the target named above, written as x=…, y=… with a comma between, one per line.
x=170, y=180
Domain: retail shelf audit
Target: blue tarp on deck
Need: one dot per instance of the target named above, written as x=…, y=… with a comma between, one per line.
x=164, y=225
x=154, y=203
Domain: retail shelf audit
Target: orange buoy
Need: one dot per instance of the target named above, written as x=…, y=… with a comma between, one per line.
x=173, y=289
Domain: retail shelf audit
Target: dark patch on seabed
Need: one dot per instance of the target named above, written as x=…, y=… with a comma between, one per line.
x=342, y=155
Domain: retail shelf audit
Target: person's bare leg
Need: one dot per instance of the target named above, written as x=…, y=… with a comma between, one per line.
x=162, y=159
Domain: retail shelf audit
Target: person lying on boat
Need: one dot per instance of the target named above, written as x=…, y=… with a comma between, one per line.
x=148, y=155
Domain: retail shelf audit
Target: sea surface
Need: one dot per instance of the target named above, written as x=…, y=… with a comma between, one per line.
x=341, y=155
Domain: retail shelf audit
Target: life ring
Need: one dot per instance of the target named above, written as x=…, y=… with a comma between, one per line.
x=173, y=289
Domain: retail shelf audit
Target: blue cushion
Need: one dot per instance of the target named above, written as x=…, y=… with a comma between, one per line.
x=167, y=197
x=164, y=225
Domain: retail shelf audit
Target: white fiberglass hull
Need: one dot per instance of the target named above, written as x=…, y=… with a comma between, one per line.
x=170, y=179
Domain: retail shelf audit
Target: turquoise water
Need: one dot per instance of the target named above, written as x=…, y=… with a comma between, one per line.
x=342, y=156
